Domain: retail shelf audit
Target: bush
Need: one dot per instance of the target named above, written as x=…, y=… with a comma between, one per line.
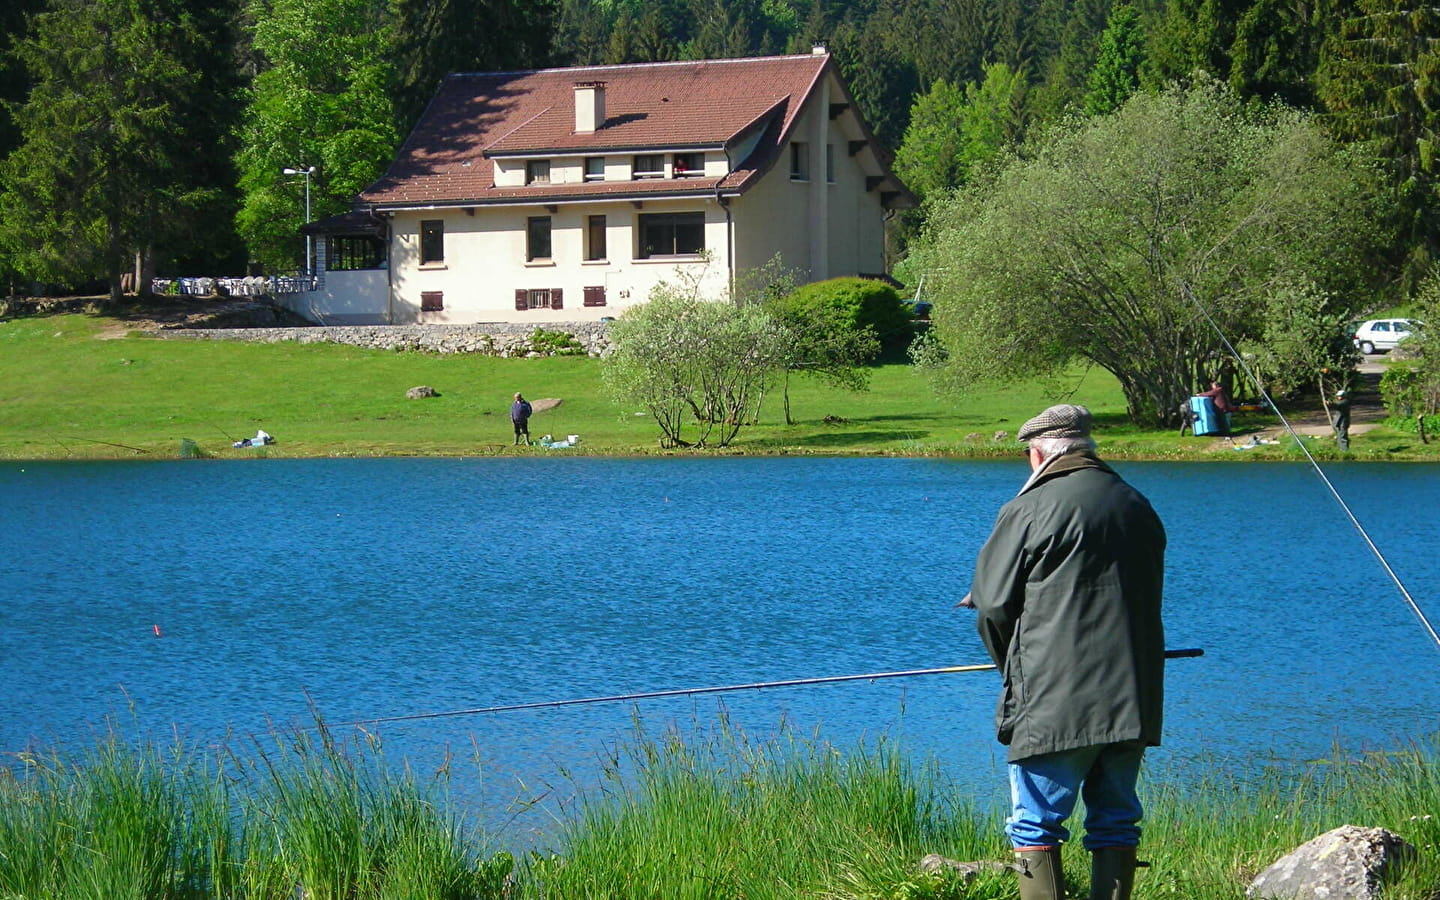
x=860, y=303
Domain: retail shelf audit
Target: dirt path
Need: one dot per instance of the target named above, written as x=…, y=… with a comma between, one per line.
x=1366, y=408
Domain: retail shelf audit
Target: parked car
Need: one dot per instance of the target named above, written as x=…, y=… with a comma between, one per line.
x=1380, y=335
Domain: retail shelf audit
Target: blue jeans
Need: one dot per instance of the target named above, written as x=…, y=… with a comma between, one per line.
x=1043, y=791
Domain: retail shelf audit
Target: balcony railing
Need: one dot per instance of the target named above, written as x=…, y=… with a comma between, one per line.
x=239, y=286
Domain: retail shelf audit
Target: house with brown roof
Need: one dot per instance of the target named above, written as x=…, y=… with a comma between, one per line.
x=568, y=194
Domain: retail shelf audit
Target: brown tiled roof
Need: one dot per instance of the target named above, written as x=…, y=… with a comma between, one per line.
x=672, y=106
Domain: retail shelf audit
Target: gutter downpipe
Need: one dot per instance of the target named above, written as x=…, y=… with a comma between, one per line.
x=389, y=267
x=729, y=243
x=729, y=228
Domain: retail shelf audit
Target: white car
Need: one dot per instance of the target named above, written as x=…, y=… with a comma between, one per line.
x=1379, y=335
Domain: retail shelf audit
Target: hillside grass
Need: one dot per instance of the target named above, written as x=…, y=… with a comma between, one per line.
x=81, y=386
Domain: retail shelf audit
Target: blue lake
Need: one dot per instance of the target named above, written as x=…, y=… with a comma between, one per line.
x=377, y=588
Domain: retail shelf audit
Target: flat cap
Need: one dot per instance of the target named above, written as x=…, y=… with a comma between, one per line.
x=1063, y=421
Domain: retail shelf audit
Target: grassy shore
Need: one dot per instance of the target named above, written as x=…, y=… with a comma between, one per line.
x=720, y=817
x=85, y=387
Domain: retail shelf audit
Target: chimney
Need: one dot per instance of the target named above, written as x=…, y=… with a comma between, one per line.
x=818, y=50
x=589, y=106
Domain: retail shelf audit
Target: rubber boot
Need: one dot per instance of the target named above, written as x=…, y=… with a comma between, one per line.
x=1041, y=877
x=1112, y=873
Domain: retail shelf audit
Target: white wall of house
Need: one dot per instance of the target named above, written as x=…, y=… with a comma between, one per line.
x=356, y=297
x=485, y=262
x=821, y=227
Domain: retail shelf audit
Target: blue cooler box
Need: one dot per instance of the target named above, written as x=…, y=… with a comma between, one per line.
x=1207, y=420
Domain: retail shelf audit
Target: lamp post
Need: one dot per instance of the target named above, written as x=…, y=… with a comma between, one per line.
x=307, y=172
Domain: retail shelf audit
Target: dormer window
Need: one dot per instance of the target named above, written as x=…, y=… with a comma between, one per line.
x=689, y=165
x=649, y=165
x=537, y=171
x=594, y=168
x=799, y=161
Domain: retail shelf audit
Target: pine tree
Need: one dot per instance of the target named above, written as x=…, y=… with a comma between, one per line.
x=434, y=38
x=1380, y=83
x=101, y=172
x=1116, y=74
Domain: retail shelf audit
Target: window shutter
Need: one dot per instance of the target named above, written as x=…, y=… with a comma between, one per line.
x=431, y=301
x=595, y=296
x=557, y=298
x=522, y=299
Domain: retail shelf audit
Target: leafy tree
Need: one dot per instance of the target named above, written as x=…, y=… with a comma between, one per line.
x=1121, y=239
x=1305, y=344
x=1411, y=389
x=1116, y=74
x=101, y=171
x=930, y=158
x=1380, y=82
x=700, y=367
x=952, y=132
x=324, y=101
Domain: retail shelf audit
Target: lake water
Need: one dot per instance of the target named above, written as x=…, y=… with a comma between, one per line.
x=377, y=588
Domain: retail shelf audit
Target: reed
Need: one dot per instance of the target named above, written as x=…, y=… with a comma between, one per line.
x=710, y=814
x=724, y=816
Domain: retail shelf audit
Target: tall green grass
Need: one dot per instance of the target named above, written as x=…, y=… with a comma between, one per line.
x=702, y=816
x=727, y=817
x=304, y=817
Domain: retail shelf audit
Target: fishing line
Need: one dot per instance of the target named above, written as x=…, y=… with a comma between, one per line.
x=686, y=692
x=1334, y=492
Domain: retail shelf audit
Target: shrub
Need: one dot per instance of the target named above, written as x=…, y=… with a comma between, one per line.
x=859, y=303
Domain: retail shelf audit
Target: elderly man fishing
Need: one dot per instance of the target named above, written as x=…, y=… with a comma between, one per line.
x=1068, y=594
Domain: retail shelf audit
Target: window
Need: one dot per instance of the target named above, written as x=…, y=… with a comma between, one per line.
x=354, y=252
x=537, y=171
x=537, y=238
x=595, y=296
x=594, y=168
x=689, y=165
x=799, y=161
x=432, y=241
x=432, y=301
x=649, y=165
x=671, y=234
x=539, y=298
x=595, y=238
x=829, y=163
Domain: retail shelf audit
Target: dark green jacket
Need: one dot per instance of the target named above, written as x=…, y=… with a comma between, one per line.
x=1068, y=594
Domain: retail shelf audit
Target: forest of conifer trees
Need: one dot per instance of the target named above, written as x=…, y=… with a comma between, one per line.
x=158, y=129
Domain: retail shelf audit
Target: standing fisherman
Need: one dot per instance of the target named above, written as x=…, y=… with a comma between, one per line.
x=520, y=417
x=1068, y=593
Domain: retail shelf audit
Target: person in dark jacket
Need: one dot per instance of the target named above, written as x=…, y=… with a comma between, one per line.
x=1068, y=588
x=520, y=417
x=1340, y=418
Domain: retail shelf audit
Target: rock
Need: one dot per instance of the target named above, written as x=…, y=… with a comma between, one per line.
x=934, y=864
x=424, y=390
x=1000, y=436
x=1348, y=863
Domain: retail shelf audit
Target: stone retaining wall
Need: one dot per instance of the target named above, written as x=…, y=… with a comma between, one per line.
x=493, y=339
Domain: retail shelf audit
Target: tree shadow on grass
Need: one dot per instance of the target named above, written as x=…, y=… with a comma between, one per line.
x=846, y=438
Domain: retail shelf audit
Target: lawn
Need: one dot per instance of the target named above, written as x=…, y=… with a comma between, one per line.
x=80, y=386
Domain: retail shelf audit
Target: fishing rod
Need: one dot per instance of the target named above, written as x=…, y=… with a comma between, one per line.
x=686, y=692
x=1334, y=492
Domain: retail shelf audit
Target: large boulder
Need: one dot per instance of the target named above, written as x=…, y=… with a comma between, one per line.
x=1348, y=863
